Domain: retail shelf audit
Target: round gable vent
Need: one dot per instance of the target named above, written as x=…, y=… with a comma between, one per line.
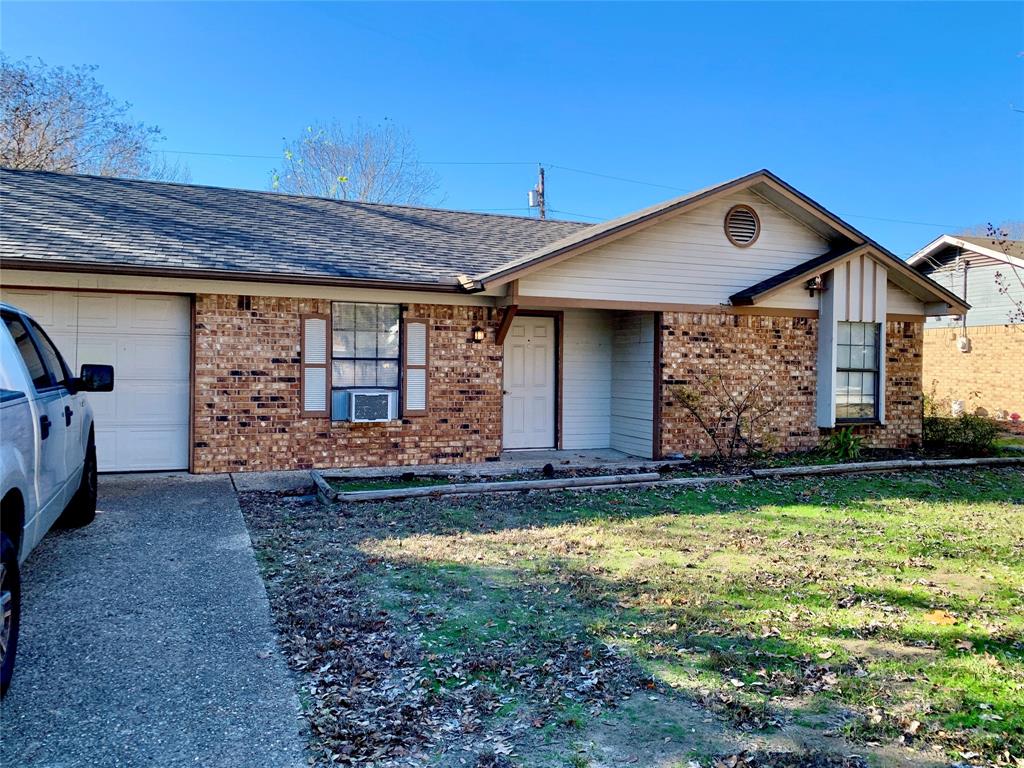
x=742, y=226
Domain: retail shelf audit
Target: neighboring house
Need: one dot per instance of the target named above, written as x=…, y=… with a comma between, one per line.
x=977, y=358
x=248, y=328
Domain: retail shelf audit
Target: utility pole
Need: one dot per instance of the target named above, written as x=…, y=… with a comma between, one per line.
x=537, y=194
x=540, y=192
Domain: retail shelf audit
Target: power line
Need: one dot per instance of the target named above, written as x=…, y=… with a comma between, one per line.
x=903, y=221
x=582, y=171
x=617, y=178
x=581, y=215
x=282, y=157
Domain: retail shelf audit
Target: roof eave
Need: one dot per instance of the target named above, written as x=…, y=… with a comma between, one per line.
x=952, y=241
x=7, y=262
x=904, y=273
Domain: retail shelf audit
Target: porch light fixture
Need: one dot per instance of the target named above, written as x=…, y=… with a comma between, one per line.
x=814, y=284
x=479, y=334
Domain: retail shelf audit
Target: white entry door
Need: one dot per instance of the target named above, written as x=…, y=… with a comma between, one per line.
x=143, y=423
x=529, y=410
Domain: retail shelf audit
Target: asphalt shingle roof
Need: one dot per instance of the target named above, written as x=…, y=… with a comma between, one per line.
x=54, y=218
x=1013, y=248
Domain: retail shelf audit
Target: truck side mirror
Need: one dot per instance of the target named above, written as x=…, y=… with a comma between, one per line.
x=96, y=378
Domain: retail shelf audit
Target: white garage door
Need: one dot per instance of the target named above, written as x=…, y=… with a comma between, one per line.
x=143, y=423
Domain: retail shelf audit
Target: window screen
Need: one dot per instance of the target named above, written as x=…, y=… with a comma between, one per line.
x=365, y=345
x=857, y=371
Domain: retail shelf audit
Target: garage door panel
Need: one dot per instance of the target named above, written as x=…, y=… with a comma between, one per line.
x=39, y=304
x=160, y=313
x=152, y=357
x=153, y=403
x=97, y=312
x=137, y=449
x=143, y=423
x=98, y=351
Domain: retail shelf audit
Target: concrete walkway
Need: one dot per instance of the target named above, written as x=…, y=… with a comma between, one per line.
x=147, y=639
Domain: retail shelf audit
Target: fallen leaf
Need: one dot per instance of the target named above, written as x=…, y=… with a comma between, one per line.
x=942, y=618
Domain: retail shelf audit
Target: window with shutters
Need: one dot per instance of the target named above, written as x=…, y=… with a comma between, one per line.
x=365, y=345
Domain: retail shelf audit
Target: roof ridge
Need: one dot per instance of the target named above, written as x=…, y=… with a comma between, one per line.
x=272, y=193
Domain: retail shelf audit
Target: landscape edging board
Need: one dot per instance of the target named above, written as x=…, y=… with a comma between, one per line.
x=327, y=495
x=460, y=489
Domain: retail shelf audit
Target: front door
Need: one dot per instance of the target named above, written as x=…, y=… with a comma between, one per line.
x=529, y=410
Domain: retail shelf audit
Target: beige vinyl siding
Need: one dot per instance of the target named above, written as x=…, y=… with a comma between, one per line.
x=686, y=260
x=586, y=379
x=902, y=303
x=632, y=391
x=794, y=296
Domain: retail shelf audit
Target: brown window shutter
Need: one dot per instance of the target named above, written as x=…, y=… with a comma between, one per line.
x=415, y=367
x=315, y=388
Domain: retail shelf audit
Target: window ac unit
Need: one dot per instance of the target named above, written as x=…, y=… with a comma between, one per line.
x=372, y=405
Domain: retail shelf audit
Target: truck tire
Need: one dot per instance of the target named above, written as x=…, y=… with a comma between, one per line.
x=82, y=509
x=10, y=609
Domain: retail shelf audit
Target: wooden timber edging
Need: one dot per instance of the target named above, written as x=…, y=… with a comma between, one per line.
x=328, y=495
x=324, y=489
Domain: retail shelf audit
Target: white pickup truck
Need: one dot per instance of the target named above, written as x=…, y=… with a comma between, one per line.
x=47, y=455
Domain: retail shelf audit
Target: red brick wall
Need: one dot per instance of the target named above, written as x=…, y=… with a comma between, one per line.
x=743, y=348
x=247, y=407
x=989, y=376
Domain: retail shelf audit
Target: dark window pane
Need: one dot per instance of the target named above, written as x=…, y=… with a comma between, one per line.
x=344, y=343
x=344, y=374
x=387, y=344
x=387, y=374
x=366, y=344
x=366, y=373
x=387, y=317
x=366, y=317
x=33, y=362
x=50, y=354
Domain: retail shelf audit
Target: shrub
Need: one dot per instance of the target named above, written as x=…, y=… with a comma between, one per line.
x=963, y=435
x=843, y=445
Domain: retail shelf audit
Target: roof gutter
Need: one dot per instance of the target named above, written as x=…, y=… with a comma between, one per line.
x=225, y=274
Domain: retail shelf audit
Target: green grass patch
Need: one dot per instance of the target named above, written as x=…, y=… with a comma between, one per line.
x=895, y=593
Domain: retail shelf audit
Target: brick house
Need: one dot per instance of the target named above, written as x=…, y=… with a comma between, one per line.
x=977, y=358
x=257, y=331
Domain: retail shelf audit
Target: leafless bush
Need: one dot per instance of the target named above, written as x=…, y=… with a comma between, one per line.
x=734, y=413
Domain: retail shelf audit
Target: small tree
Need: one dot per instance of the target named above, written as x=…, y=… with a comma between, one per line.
x=368, y=163
x=733, y=413
x=1009, y=283
x=57, y=119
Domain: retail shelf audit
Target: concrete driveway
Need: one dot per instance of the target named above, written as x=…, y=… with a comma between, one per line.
x=147, y=640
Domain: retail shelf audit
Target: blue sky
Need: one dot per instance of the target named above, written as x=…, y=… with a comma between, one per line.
x=878, y=111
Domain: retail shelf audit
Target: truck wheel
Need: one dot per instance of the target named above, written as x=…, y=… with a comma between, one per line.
x=82, y=509
x=10, y=604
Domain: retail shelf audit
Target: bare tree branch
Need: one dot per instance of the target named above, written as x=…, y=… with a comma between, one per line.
x=57, y=119
x=732, y=412
x=1011, y=285
x=369, y=163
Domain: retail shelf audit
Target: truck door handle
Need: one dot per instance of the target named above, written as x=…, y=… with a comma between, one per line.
x=44, y=426
x=68, y=413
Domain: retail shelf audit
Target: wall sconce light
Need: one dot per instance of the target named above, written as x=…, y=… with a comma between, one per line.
x=814, y=284
x=479, y=334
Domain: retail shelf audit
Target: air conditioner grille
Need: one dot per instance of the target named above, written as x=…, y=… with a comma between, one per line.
x=371, y=406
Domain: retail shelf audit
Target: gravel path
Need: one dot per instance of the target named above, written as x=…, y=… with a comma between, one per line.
x=147, y=639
